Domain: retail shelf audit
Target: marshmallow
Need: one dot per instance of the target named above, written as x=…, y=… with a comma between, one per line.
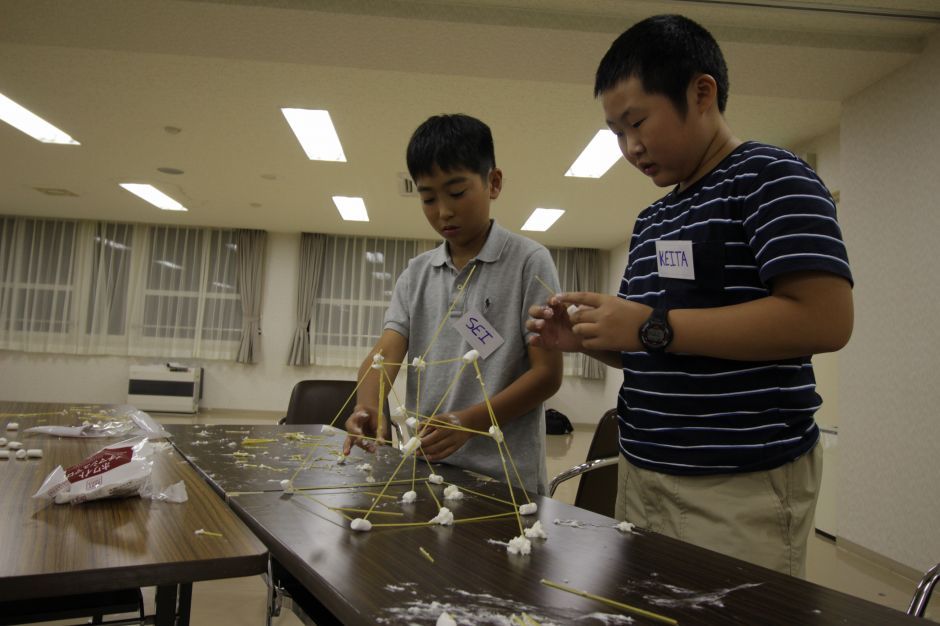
x=341, y=459
x=470, y=356
x=412, y=423
x=378, y=362
x=14, y=445
x=34, y=453
x=625, y=527
x=528, y=509
x=519, y=545
x=411, y=446
x=444, y=619
x=4, y=454
x=286, y=485
x=399, y=410
x=13, y=426
x=360, y=524
x=444, y=517
x=572, y=309
x=370, y=479
x=21, y=454
x=364, y=467
x=326, y=429
x=419, y=364
x=3, y=441
x=536, y=531
x=496, y=434
x=409, y=496
x=452, y=492
x=436, y=479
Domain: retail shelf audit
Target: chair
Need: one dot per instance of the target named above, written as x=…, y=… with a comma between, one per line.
x=597, y=490
x=319, y=401
x=923, y=591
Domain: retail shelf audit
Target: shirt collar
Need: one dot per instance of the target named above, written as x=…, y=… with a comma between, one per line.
x=489, y=253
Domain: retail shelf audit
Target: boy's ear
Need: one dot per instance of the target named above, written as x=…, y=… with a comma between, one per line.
x=704, y=92
x=495, y=182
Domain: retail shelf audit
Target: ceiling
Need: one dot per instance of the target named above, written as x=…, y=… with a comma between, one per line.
x=115, y=73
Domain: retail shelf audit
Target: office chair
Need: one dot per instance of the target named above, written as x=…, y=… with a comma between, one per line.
x=923, y=591
x=597, y=490
x=92, y=605
x=319, y=401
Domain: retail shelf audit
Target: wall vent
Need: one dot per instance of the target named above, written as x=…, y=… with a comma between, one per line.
x=406, y=186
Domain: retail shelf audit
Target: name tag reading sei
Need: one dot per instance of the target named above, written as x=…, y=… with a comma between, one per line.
x=674, y=259
x=479, y=333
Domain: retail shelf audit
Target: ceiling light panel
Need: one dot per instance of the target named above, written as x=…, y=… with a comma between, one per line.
x=542, y=219
x=351, y=209
x=598, y=157
x=154, y=196
x=31, y=124
x=316, y=134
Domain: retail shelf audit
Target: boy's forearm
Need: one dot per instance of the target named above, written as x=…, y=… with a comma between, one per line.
x=607, y=357
x=393, y=351
x=804, y=315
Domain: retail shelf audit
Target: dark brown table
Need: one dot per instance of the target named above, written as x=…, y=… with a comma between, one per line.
x=382, y=576
x=49, y=550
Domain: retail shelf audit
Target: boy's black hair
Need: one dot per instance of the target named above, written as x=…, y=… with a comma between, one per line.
x=451, y=142
x=665, y=52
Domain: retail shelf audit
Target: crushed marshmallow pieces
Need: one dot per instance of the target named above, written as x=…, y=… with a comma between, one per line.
x=360, y=524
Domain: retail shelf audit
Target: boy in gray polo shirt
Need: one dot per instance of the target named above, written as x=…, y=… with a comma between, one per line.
x=451, y=159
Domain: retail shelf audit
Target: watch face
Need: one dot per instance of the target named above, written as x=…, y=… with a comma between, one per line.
x=655, y=334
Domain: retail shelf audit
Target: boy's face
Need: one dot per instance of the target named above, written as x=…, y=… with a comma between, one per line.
x=652, y=135
x=457, y=205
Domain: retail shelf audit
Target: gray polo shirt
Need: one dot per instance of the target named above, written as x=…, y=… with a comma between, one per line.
x=502, y=289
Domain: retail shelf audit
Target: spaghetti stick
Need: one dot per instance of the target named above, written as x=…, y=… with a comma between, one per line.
x=425, y=554
x=609, y=602
x=544, y=284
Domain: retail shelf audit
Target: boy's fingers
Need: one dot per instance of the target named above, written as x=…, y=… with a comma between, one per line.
x=582, y=297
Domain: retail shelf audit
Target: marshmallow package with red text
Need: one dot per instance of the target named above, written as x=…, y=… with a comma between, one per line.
x=119, y=470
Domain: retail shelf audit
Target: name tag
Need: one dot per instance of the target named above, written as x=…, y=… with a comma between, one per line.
x=674, y=259
x=479, y=333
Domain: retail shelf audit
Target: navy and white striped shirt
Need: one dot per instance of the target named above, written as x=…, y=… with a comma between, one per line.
x=759, y=214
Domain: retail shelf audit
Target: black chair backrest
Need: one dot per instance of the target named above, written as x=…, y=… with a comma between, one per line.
x=597, y=490
x=319, y=401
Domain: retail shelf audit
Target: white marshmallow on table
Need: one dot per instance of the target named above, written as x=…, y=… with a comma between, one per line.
x=496, y=434
x=13, y=426
x=452, y=492
x=34, y=453
x=361, y=524
x=528, y=509
x=409, y=496
x=21, y=454
x=341, y=459
x=437, y=479
x=625, y=527
x=519, y=545
x=286, y=485
x=444, y=517
x=444, y=619
x=14, y=445
x=326, y=429
x=419, y=364
x=535, y=531
x=471, y=356
x=3, y=441
x=4, y=454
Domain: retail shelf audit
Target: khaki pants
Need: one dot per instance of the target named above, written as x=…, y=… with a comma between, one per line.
x=760, y=517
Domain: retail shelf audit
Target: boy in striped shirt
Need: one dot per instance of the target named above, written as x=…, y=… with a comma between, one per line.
x=734, y=280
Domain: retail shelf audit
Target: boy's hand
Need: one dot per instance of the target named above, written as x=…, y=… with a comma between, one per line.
x=605, y=322
x=438, y=443
x=362, y=423
x=553, y=326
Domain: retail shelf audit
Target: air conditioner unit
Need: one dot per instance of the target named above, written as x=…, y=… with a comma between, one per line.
x=165, y=388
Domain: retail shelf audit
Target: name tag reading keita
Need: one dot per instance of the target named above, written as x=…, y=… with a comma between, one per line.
x=674, y=259
x=479, y=333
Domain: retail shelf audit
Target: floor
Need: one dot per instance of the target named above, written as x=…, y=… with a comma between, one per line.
x=241, y=601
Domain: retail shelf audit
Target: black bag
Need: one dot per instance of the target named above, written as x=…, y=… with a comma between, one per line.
x=557, y=423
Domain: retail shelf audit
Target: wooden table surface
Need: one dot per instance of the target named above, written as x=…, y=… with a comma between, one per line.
x=50, y=549
x=382, y=576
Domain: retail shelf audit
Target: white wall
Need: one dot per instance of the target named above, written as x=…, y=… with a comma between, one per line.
x=890, y=211
x=265, y=385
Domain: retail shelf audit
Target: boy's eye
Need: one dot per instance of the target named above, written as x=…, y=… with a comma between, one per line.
x=427, y=200
x=637, y=125
x=457, y=194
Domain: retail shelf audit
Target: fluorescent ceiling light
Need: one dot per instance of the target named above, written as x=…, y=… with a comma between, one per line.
x=599, y=155
x=352, y=209
x=542, y=219
x=315, y=132
x=375, y=257
x=31, y=124
x=169, y=264
x=154, y=196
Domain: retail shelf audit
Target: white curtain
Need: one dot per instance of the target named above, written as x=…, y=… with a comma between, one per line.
x=104, y=288
x=250, y=274
x=579, y=270
x=312, y=247
x=355, y=288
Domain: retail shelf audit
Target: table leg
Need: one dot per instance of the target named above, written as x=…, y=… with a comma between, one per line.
x=165, y=605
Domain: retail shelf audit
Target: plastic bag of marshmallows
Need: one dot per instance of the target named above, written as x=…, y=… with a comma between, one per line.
x=119, y=470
